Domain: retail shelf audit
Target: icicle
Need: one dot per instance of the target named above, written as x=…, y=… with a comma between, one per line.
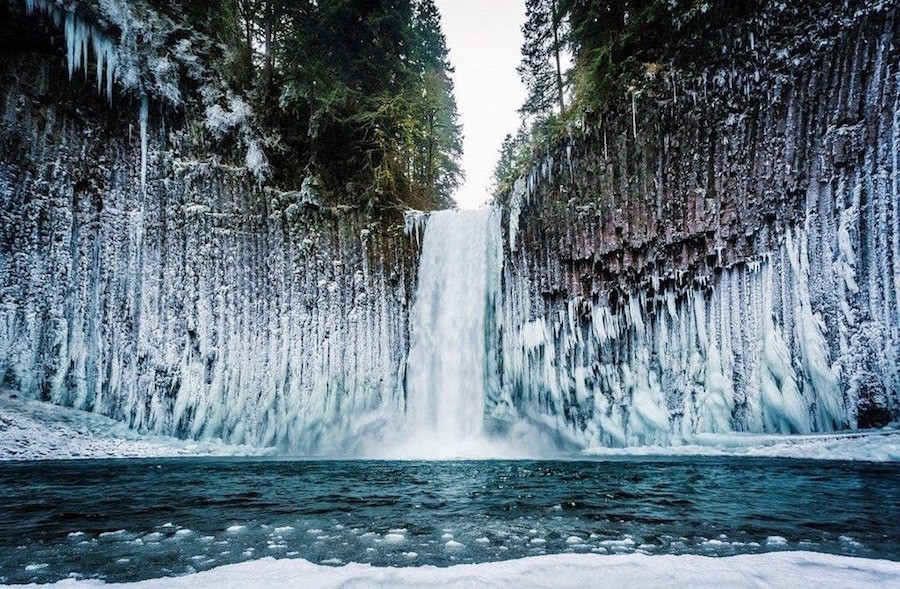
x=605, y=147
x=100, y=53
x=70, y=42
x=110, y=73
x=809, y=327
x=144, y=115
x=79, y=35
x=84, y=37
x=516, y=202
x=634, y=113
x=414, y=224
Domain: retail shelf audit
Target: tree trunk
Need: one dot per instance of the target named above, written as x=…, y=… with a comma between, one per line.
x=269, y=24
x=429, y=160
x=559, y=81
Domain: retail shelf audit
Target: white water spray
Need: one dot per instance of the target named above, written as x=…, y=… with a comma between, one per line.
x=452, y=358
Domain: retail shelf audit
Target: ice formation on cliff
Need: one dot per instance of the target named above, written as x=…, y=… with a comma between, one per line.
x=216, y=309
x=662, y=367
x=141, y=61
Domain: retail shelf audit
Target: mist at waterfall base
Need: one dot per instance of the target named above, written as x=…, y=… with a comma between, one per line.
x=127, y=520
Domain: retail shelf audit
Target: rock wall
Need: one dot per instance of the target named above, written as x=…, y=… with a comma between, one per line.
x=200, y=305
x=720, y=252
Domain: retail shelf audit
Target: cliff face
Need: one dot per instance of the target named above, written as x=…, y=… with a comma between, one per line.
x=199, y=305
x=722, y=253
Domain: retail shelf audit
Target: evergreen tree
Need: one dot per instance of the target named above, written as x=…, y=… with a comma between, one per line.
x=541, y=69
x=367, y=98
x=355, y=93
x=440, y=147
x=615, y=41
x=601, y=37
x=514, y=153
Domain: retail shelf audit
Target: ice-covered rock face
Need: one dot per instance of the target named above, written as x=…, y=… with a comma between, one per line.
x=724, y=260
x=732, y=265
x=664, y=366
x=138, y=52
x=200, y=306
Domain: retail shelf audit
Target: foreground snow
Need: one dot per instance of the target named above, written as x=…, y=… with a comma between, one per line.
x=779, y=569
x=31, y=430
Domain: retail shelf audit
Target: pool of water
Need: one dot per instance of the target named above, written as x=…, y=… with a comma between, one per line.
x=124, y=520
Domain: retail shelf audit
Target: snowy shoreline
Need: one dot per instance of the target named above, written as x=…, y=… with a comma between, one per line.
x=774, y=569
x=871, y=446
x=33, y=430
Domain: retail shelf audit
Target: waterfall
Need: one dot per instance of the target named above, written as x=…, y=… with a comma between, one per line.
x=452, y=362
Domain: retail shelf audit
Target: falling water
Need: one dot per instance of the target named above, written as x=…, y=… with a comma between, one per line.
x=452, y=358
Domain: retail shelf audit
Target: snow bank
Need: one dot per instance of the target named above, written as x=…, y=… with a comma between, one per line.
x=872, y=446
x=780, y=569
x=31, y=430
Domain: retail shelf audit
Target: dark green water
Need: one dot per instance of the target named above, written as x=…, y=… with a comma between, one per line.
x=136, y=519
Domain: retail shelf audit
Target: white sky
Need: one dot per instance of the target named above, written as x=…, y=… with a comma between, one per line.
x=485, y=39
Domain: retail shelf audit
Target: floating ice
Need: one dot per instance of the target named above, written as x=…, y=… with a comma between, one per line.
x=850, y=541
